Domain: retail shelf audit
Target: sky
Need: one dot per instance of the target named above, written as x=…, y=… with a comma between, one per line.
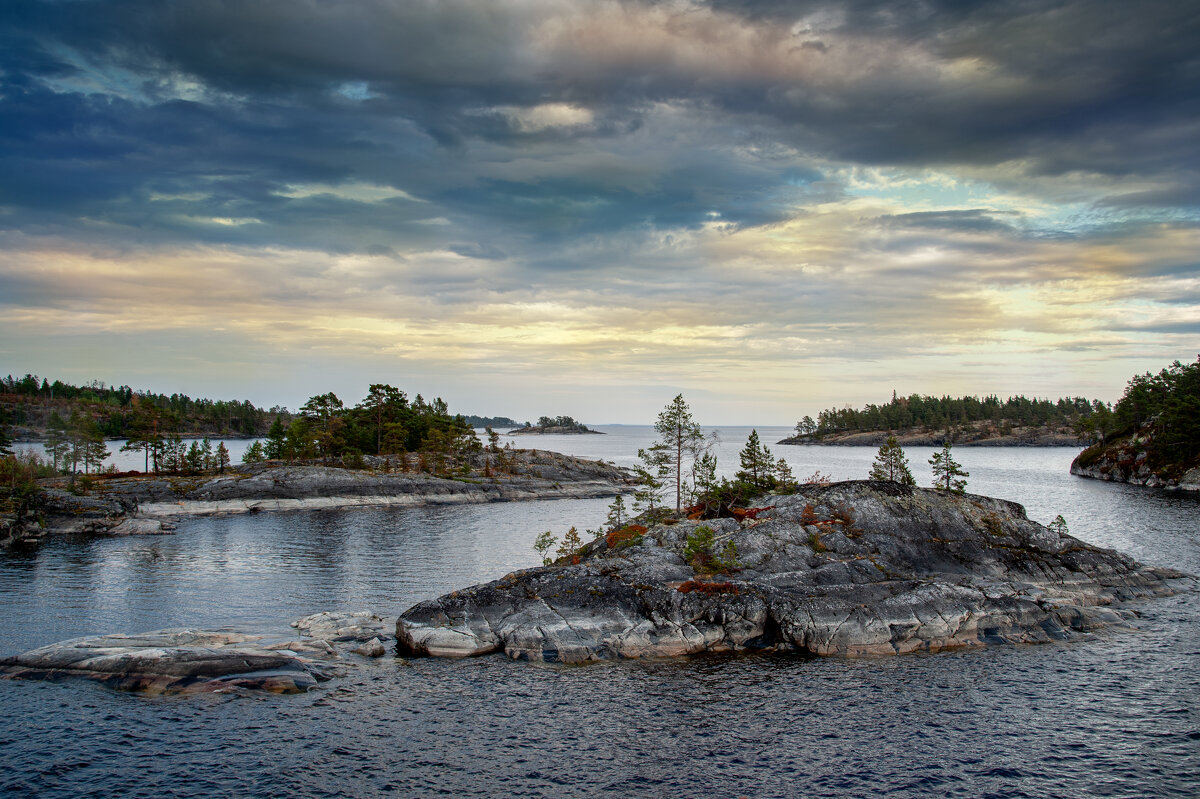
x=545, y=207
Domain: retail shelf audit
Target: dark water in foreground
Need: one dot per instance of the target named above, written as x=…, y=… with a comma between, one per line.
x=1115, y=715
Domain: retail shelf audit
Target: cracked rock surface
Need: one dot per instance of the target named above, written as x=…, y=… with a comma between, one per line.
x=169, y=662
x=850, y=569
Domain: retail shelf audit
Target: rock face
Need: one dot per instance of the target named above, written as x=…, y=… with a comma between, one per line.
x=858, y=568
x=169, y=662
x=1127, y=460
x=192, y=661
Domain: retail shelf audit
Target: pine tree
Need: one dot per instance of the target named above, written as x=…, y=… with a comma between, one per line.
x=890, y=464
x=616, y=513
x=569, y=548
x=946, y=472
x=681, y=441
x=5, y=438
x=649, y=478
x=1059, y=525
x=276, y=444
x=783, y=473
x=222, y=457
x=254, y=453
x=758, y=464
x=57, y=440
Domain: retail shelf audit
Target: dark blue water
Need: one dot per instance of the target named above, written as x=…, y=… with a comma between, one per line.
x=1115, y=715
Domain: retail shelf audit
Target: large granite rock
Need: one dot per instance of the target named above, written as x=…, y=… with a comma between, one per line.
x=168, y=662
x=858, y=568
x=190, y=661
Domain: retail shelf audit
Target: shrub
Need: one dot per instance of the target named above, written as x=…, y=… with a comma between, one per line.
x=628, y=536
x=698, y=552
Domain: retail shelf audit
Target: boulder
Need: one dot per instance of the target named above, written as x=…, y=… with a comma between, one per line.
x=169, y=662
x=849, y=569
x=341, y=626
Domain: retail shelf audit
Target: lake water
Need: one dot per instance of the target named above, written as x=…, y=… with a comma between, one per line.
x=1113, y=715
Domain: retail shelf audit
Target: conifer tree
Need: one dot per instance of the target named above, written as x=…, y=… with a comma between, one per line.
x=758, y=465
x=890, y=464
x=222, y=457
x=946, y=471
x=616, y=513
x=57, y=440
x=681, y=442
x=569, y=548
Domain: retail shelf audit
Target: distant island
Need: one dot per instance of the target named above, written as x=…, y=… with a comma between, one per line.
x=1152, y=435
x=479, y=422
x=919, y=420
x=556, y=425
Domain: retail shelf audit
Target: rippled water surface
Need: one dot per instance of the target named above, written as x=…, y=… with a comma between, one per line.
x=1115, y=715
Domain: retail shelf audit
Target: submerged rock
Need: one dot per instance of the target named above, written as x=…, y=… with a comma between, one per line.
x=169, y=662
x=858, y=568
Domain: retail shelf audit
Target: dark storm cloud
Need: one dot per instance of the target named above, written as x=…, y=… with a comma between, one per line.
x=223, y=106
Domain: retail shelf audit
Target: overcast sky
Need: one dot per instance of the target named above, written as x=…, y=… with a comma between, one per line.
x=585, y=208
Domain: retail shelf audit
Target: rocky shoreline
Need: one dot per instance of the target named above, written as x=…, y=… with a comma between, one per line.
x=849, y=569
x=147, y=505
x=186, y=661
x=1127, y=461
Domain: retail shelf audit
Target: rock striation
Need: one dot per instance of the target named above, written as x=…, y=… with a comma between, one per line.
x=849, y=569
x=169, y=662
x=176, y=661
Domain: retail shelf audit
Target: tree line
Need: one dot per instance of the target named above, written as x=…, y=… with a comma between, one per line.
x=1166, y=405
x=935, y=413
x=118, y=410
x=385, y=422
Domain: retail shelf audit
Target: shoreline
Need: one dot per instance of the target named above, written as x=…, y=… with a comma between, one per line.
x=482, y=496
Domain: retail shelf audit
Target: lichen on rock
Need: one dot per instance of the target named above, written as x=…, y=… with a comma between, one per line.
x=850, y=569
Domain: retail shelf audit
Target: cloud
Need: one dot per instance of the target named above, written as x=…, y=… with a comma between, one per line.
x=622, y=186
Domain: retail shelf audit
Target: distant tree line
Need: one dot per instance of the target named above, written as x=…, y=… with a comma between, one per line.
x=120, y=411
x=934, y=413
x=492, y=421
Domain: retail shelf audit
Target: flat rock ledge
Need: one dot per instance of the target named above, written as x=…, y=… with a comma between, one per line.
x=850, y=569
x=186, y=661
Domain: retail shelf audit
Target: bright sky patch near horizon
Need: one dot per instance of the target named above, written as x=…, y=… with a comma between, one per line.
x=571, y=207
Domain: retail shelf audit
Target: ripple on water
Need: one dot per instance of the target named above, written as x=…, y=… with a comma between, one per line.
x=1116, y=714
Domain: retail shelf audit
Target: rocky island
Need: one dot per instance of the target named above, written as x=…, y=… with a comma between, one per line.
x=850, y=569
x=1152, y=436
x=147, y=504
x=182, y=661
x=559, y=425
x=977, y=434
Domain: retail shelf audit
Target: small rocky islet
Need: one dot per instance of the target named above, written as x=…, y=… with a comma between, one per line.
x=850, y=569
x=185, y=661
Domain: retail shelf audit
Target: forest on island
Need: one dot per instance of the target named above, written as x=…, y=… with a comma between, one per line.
x=120, y=410
x=940, y=413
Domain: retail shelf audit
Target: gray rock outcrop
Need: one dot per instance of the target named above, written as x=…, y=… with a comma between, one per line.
x=850, y=569
x=168, y=662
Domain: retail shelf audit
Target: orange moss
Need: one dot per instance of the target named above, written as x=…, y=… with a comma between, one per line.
x=624, y=535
